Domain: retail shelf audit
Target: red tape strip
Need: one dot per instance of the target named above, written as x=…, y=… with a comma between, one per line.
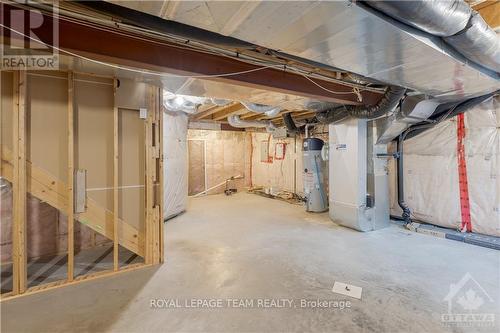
x=466, y=225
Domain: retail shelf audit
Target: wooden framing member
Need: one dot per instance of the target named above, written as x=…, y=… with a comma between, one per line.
x=223, y=114
x=78, y=279
x=28, y=174
x=160, y=178
x=152, y=141
x=490, y=12
x=19, y=263
x=116, y=210
x=71, y=181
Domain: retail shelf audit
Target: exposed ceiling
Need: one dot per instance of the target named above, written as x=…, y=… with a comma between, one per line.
x=337, y=33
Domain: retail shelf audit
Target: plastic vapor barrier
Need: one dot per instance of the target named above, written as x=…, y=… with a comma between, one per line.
x=431, y=172
x=175, y=163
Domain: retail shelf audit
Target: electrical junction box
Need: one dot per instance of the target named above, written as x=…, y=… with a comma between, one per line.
x=280, y=133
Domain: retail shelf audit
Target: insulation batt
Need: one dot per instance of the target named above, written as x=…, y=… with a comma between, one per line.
x=431, y=172
x=227, y=155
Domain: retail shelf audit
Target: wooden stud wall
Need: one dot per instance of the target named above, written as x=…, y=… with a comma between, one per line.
x=27, y=177
x=19, y=184
x=71, y=181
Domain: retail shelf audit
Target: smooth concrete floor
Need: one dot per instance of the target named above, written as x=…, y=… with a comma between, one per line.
x=248, y=247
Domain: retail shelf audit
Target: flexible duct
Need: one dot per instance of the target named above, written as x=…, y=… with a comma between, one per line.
x=388, y=102
x=454, y=21
x=269, y=111
x=237, y=122
x=437, y=17
x=220, y=101
x=478, y=42
x=289, y=123
x=185, y=106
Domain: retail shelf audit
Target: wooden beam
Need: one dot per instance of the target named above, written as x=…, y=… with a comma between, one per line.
x=248, y=115
x=70, y=183
x=490, y=12
x=229, y=110
x=116, y=210
x=205, y=114
x=19, y=184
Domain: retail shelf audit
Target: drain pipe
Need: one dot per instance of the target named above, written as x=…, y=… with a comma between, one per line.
x=400, y=180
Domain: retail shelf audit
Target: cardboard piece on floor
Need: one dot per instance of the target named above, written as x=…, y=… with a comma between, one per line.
x=347, y=289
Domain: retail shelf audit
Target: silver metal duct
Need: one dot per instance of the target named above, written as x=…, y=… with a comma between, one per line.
x=186, y=106
x=437, y=17
x=390, y=127
x=237, y=122
x=268, y=110
x=339, y=34
x=454, y=21
x=478, y=42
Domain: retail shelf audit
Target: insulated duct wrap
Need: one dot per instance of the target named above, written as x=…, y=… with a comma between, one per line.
x=270, y=111
x=454, y=21
x=186, y=106
x=437, y=17
x=478, y=42
x=237, y=122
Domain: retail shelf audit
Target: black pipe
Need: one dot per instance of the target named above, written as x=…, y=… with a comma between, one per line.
x=400, y=179
x=158, y=24
x=289, y=123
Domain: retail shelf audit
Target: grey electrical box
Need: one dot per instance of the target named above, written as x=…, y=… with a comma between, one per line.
x=280, y=133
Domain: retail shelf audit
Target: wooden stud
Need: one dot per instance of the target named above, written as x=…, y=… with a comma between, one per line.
x=116, y=211
x=160, y=179
x=19, y=184
x=70, y=184
x=149, y=181
x=27, y=177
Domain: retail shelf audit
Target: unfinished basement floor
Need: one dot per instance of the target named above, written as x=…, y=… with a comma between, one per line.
x=248, y=247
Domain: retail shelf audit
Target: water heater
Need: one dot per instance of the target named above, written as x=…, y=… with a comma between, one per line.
x=314, y=182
